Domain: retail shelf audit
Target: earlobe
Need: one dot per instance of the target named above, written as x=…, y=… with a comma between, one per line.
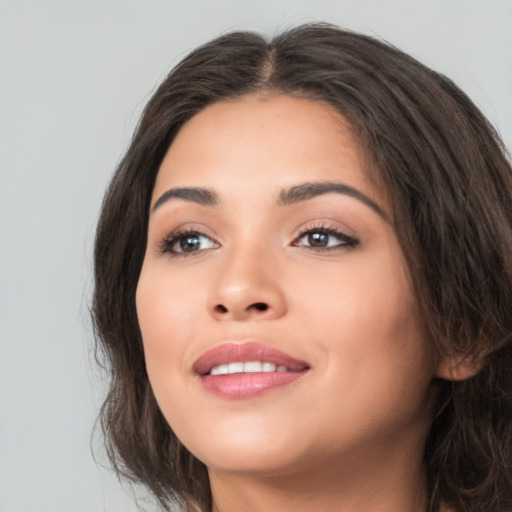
x=457, y=367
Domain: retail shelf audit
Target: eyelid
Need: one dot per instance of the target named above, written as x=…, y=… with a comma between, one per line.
x=326, y=224
x=347, y=241
x=164, y=242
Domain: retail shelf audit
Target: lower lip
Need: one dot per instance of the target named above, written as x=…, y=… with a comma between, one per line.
x=246, y=385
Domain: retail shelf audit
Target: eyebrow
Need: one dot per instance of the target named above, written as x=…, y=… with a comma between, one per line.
x=307, y=191
x=295, y=194
x=197, y=195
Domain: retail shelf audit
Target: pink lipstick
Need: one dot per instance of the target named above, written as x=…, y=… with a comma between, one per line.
x=244, y=370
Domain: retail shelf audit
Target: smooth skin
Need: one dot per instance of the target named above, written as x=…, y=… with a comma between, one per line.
x=321, y=278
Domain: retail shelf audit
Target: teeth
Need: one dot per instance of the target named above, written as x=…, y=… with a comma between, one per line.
x=269, y=367
x=253, y=366
x=221, y=369
x=235, y=367
x=248, y=367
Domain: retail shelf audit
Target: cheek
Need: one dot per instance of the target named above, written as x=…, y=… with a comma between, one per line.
x=364, y=294
x=167, y=311
x=366, y=320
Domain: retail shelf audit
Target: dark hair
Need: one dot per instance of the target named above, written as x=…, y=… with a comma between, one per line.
x=450, y=182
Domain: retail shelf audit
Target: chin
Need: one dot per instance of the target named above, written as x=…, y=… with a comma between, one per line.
x=243, y=446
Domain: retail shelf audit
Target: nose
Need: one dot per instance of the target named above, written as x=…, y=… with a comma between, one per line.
x=247, y=287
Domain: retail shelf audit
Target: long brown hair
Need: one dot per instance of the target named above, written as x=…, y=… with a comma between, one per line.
x=450, y=183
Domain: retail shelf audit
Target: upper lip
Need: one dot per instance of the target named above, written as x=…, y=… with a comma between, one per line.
x=231, y=352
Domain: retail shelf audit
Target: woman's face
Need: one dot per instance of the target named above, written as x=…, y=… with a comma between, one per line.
x=268, y=245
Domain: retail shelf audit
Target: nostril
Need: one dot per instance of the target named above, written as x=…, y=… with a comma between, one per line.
x=260, y=306
x=256, y=306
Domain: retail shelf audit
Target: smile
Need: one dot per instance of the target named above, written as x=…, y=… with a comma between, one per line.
x=244, y=370
x=248, y=367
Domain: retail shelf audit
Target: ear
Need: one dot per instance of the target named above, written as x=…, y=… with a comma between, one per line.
x=457, y=367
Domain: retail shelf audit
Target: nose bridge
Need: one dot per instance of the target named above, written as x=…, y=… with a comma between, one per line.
x=248, y=284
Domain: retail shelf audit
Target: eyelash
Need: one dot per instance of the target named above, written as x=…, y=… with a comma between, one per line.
x=166, y=246
x=346, y=242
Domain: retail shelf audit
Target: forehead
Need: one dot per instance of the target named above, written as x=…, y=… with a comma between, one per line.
x=264, y=142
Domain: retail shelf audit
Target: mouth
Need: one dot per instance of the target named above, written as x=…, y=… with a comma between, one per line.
x=247, y=367
x=245, y=370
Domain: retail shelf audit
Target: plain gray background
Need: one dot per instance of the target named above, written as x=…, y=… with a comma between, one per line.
x=74, y=78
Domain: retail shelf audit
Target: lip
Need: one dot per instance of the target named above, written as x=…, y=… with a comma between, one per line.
x=246, y=385
x=245, y=352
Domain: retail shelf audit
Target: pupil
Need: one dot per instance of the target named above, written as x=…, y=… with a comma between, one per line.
x=189, y=243
x=318, y=239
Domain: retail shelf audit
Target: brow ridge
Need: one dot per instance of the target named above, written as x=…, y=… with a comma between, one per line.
x=309, y=190
x=197, y=195
x=291, y=195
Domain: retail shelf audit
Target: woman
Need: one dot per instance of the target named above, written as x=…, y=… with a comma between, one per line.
x=303, y=273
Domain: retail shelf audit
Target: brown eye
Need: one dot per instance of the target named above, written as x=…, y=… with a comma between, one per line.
x=325, y=239
x=318, y=239
x=188, y=243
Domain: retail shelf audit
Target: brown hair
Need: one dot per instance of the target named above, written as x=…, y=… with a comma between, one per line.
x=450, y=183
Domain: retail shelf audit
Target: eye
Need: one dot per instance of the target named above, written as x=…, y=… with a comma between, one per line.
x=323, y=238
x=187, y=242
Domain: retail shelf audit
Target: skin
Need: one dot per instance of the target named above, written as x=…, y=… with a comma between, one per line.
x=349, y=434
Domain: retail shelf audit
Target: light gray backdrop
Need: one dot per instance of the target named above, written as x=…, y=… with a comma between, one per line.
x=74, y=78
